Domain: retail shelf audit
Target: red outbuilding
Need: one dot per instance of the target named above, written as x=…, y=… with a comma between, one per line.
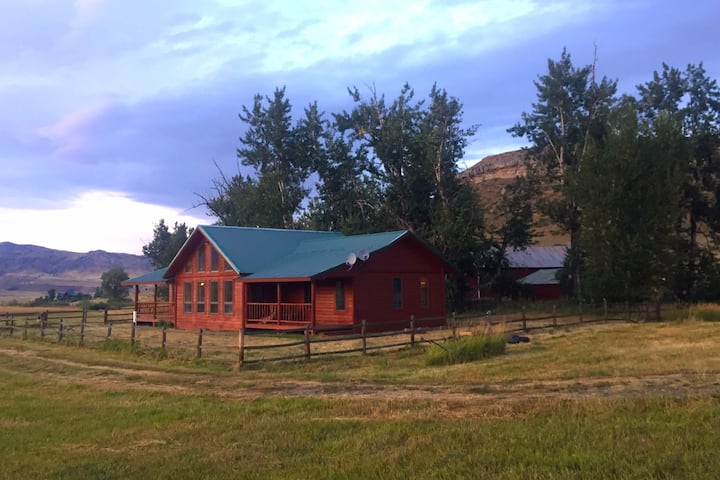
x=225, y=278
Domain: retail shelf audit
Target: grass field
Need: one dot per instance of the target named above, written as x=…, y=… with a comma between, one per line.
x=639, y=400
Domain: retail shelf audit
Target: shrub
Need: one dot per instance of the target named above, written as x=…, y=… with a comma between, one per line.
x=706, y=312
x=465, y=349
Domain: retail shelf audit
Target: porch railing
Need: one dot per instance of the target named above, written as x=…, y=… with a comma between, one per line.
x=154, y=310
x=279, y=312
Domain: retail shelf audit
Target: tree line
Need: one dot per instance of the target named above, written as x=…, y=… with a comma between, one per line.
x=632, y=179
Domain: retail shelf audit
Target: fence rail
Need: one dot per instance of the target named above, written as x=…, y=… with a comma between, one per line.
x=87, y=328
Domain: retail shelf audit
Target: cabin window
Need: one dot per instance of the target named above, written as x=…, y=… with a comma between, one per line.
x=424, y=293
x=187, y=297
x=200, y=303
x=339, y=295
x=214, y=258
x=397, y=298
x=214, y=294
x=201, y=258
x=188, y=267
x=228, y=297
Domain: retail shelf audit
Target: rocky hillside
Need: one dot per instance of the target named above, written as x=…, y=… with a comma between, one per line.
x=491, y=174
x=29, y=270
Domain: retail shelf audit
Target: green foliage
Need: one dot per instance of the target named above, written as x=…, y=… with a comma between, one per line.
x=692, y=101
x=165, y=244
x=629, y=191
x=570, y=113
x=111, y=284
x=465, y=349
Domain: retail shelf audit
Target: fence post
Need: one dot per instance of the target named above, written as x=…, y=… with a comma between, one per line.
x=83, y=321
x=554, y=316
x=109, y=332
x=307, y=341
x=25, y=333
x=412, y=330
x=164, y=337
x=199, y=344
x=60, y=331
x=12, y=325
x=605, y=309
x=363, y=331
x=524, y=319
x=454, y=326
x=581, y=311
x=105, y=316
x=241, y=347
x=627, y=309
x=133, y=333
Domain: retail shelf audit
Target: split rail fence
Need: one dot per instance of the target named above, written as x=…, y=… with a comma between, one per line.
x=116, y=330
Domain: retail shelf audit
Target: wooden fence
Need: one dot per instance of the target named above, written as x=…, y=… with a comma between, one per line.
x=114, y=329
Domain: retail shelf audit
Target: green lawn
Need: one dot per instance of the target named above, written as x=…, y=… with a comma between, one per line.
x=610, y=401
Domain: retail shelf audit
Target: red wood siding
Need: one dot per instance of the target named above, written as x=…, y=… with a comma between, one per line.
x=372, y=284
x=207, y=320
x=325, y=312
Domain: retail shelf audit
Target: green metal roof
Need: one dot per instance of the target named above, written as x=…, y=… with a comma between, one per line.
x=546, y=276
x=251, y=249
x=265, y=253
x=155, y=277
x=316, y=256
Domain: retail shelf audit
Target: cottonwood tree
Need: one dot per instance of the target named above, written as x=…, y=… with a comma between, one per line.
x=692, y=100
x=570, y=113
x=111, y=281
x=413, y=150
x=281, y=156
x=629, y=190
x=166, y=244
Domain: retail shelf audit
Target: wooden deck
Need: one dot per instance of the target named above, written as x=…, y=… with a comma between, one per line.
x=154, y=312
x=278, y=316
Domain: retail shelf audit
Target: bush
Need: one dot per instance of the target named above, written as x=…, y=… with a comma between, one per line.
x=706, y=312
x=465, y=349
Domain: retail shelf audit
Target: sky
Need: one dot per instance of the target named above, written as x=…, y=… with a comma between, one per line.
x=117, y=113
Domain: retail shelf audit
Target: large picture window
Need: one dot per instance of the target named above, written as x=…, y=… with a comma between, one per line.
x=397, y=297
x=201, y=259
x=339, y=295
x=200, y=301
x=214, y=259
x=214, y=297
x=228, y=297
x=187, y=297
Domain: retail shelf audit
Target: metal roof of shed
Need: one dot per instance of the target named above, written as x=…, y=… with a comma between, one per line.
x=537, y=257
x=541, y=277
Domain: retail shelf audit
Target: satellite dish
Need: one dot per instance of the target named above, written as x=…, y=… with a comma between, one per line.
x=351, y=259
x=363, y=254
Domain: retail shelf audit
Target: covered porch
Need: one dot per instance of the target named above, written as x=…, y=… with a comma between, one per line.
x=279, y=305
x=160, y=309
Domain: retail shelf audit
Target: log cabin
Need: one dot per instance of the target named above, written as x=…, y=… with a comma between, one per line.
x=227, y=278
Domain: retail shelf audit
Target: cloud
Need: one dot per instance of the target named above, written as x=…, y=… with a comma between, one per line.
x=94, y=219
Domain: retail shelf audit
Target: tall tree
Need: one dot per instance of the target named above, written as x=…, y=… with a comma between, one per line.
x=165, y=244
x=629, y=191
x=348, y=197
x=570, y=113
x=281, y=155
x=414, y=149
x=692, y=100
x=111, y=287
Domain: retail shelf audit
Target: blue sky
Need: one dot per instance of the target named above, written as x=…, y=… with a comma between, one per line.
x=115, y=111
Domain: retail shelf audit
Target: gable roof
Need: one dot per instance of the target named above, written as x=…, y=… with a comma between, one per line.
x=546, y=276
x=260, y=253
x=537, y=257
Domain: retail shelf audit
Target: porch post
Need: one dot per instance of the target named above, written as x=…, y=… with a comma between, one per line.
x=243, y=304
x=278, y=303
x=137, y=295
x=312, y=304
x=155, y=291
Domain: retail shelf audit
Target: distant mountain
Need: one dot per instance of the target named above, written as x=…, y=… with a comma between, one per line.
x=27, y=269
x=493, y=173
